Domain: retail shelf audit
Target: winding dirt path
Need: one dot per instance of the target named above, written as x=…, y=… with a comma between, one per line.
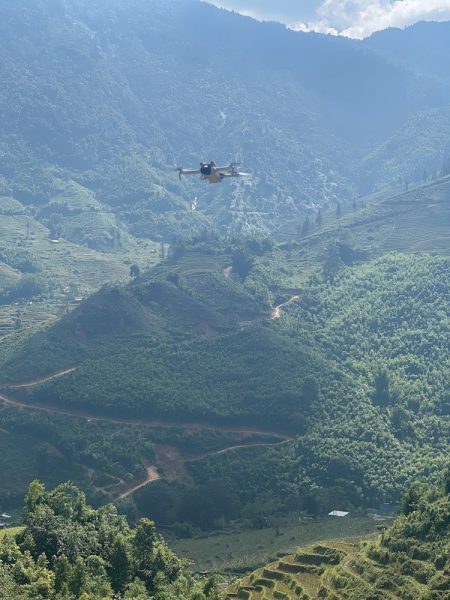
x=169, y=458
x=35, y=382
x=151, y=423
x=276, y=312
x=152, y=475
x=156, y=423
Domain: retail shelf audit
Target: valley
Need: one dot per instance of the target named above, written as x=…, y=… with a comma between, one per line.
x=198, y=382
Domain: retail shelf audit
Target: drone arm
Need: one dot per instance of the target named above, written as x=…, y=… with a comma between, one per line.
x=189, y=171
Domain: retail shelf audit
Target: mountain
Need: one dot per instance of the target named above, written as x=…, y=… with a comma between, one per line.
x=423, y=47
x=330, y=349
x=101, y=99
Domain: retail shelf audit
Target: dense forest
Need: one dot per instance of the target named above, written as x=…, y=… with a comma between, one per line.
x=352, y=377
x=69, y=551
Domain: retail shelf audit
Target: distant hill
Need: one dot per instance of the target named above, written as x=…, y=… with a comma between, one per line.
x=423, y=47
x=122, y=92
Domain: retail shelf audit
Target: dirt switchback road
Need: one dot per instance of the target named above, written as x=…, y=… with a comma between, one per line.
x=168, y=458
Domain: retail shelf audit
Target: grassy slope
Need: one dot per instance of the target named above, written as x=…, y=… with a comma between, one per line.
x=10, y=531
x=408, y=561
x=68, y=270
x=245, y=550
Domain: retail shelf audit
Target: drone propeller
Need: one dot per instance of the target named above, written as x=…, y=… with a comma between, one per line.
x=179, y=170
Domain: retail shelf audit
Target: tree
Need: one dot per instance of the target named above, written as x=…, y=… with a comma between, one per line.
x=120, y=564
x=63, y=573
x=333, y=262
x=305, y=227
x=310, y=390
x=135, y=271
x=144, y=541
x=445, y=166
x=242, y=261
x=35, y=496
x=412, y=497
x=382, y=395
x=447, y=482
x=78, y=578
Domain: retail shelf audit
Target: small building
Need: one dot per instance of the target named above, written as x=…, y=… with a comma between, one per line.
x=2, y=525
x=337, y=513
x=5, y=516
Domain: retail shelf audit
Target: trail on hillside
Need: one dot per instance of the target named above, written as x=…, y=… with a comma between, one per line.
x=151, y=423
x=196, y=457
x=173, y=464
x=152, y=475
x=35, y=382
x=276, y=312
x=168, y=458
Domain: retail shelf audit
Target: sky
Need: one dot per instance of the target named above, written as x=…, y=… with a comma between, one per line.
x=351, y=18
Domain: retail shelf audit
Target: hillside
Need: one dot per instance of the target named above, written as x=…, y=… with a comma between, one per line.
x=45, y=270
x=351, y=374
x=122, y=92
x=409, y=560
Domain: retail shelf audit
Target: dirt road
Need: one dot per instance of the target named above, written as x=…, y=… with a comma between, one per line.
x=168, y=458
x=35, y=382
x=152, y=475
x=276, y=312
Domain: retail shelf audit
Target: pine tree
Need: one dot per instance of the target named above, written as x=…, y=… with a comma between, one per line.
x=120, y=564
x=305, y=227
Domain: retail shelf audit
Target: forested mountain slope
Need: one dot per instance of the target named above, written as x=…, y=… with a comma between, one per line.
x=354, y=372
x=101, y=99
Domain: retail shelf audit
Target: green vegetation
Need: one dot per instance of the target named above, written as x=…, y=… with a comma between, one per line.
x=243, y=551
x=70, y=551
x=92, y=163
x=354, y=370
x=408, y=560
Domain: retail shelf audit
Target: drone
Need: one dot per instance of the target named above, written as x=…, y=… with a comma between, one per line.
x=210, y=172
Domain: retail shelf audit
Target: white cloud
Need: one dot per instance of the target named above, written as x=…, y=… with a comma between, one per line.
x=351, y=18
x=358, y=19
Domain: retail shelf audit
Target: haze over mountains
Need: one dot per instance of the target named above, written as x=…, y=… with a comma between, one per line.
x=254, y=353
x=112, y=96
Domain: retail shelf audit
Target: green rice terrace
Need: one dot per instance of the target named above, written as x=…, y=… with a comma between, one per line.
x=407, y=561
